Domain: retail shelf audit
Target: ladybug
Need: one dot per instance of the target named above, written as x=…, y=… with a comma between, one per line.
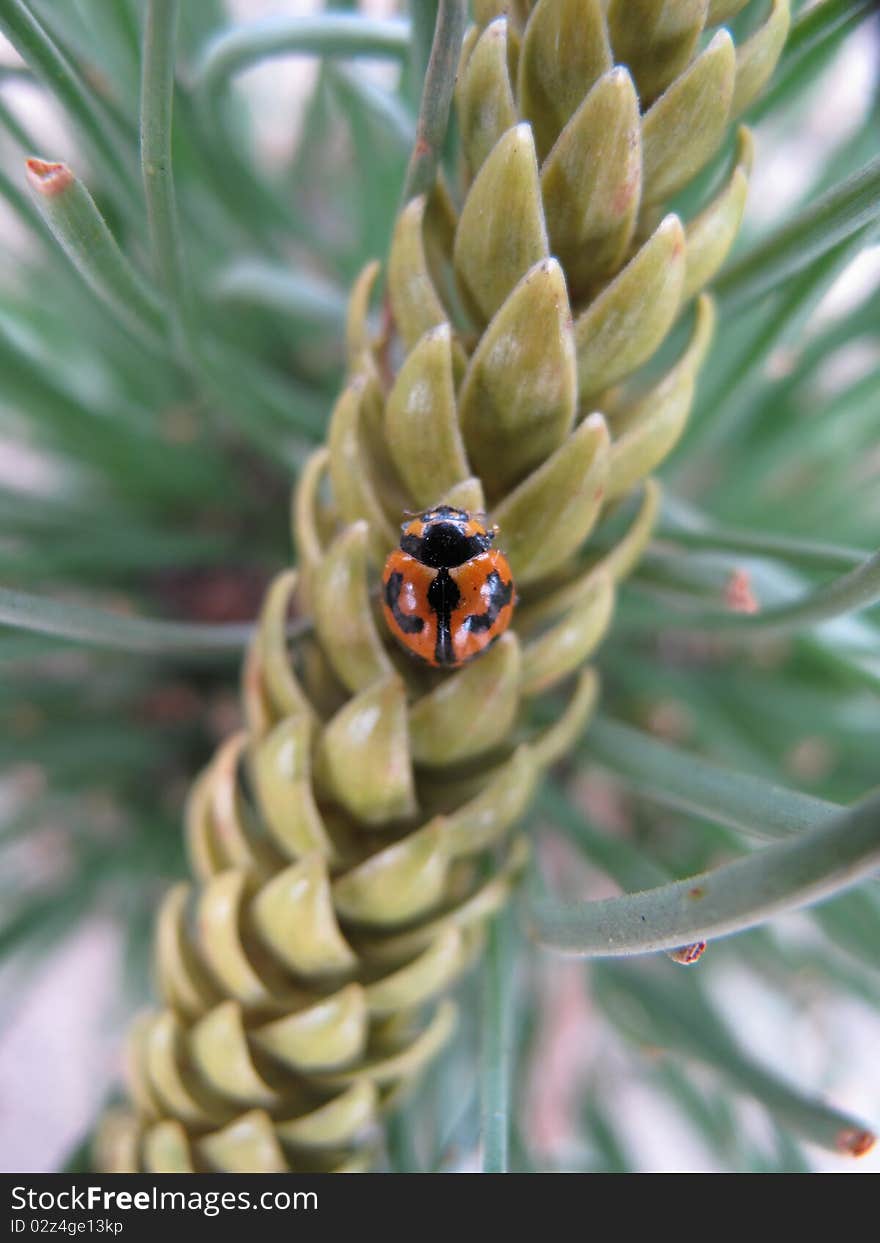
x=446, y=593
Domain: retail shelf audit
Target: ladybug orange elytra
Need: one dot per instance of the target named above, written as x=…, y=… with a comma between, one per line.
x=446, y=593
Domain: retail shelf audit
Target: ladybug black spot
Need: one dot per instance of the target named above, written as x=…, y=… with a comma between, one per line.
x=500, y=594
x=406, y=621
x=443, y=597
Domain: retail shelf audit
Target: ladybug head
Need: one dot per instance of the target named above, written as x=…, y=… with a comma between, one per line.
x=445, y=537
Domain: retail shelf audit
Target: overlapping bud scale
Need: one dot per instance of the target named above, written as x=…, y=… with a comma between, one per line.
x=339, y=842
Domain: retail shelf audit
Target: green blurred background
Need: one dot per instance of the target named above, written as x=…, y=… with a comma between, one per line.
x=130, y=486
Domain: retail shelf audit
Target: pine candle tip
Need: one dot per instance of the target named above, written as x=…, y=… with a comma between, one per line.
x=47, y=177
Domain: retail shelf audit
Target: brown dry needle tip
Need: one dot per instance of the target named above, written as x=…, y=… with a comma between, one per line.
x=738, y=594
x=688, y=954
x=855, y=1142
x=48, y=178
